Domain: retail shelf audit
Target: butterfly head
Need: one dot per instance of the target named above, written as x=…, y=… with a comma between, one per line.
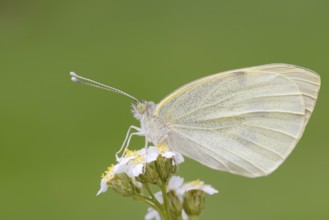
x=141, y=108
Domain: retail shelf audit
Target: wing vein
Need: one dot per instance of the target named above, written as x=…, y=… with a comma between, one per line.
x=236, y=126
x=234, y=95
x=214, y=89
x=203, y=156
x=261, y=146
x=270, y=129
x=306, y=81
x=231, y=152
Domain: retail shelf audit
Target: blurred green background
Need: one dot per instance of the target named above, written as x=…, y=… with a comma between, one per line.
x=58, y=137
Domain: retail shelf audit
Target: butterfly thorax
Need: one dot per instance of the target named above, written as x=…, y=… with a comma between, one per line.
x=154, y=130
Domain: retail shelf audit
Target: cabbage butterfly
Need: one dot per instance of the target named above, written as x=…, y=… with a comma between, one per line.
x=245, y=121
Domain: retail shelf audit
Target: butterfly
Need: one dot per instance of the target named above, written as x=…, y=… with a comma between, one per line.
x=244, y=121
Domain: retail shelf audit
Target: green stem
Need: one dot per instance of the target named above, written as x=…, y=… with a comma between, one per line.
x=156, y=202
x=165, y=199
x=148, y=201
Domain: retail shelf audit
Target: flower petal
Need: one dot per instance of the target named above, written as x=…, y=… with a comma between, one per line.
x=137, y=170
x=178, y=158
x=184, y=215
x=125, y=160
x=168, y=154
x=152, y=214
x=151, y=156
x=104, y=186
x=159, y=197
x=209, y=190
x=175, y=183
x=198, y=185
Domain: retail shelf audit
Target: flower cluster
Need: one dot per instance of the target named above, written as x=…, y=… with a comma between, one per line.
x=139, y=171
x=186, y=200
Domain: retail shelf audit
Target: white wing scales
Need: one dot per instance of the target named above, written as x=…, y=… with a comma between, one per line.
x=307, y=81
x=245, y=121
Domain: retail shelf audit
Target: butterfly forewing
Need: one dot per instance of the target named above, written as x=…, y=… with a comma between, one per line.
x=307, y=81
x=245, y=121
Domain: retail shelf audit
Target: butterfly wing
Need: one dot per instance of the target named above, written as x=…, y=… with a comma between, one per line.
x=245, y=121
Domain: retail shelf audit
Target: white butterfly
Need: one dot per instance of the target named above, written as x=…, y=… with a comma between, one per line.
x=245, y=121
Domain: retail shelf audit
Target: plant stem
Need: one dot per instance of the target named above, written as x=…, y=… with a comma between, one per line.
x=148, y=201
x=147, y=186
x=165, y=198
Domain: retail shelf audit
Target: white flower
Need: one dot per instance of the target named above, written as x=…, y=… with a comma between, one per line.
x=152, y=214
x=199, y=185
x=104, y=187
x=164, y=151
x=159, y=197
x=107, y=177
x=135, y=161
x=175, y=183
x=184, y=215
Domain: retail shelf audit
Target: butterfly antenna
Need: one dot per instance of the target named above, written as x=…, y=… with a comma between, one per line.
x=82, y=80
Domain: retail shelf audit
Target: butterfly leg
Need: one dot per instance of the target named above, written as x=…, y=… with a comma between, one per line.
x=126, y=142
x=146, y=150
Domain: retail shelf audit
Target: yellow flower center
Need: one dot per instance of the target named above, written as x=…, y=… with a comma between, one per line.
x=197, y=183
x=138, y=160
x=162, y=148
x=108, y=174
x=130, y=153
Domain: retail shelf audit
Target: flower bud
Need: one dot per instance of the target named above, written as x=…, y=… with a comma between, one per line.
x=123, y=184
x=150, y=175
x=174, y=205
x=194, y=202
x=164, y=167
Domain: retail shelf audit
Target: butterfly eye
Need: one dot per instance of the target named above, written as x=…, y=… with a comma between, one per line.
x=141, y=107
